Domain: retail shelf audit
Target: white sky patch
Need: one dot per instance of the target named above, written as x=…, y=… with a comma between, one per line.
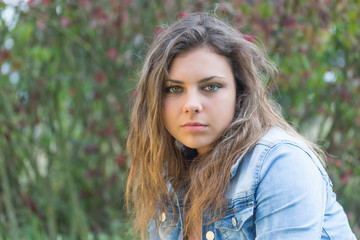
x=58, y=10
x=14, y=77
x=9, y=43
x=330, y=77
x=5, y=68
x=9, y=14
x=9, y=17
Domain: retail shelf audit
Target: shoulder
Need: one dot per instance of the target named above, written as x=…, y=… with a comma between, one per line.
x=275, y=143
x=278, y=146
x=279, y=152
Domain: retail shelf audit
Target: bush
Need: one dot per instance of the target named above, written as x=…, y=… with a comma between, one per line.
x=67, y=70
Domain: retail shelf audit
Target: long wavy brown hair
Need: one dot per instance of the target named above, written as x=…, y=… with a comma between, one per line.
x=156, y=159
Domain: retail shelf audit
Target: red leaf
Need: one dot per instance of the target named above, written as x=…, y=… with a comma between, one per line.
x=84, y=3
x=31, y=2
x=289, y=22
x=345, y=95
x=358, y=121
x=65, y=22
x=97, y=95
x=100, y=76
x=120, y=160
x=158, y=30
x=111, y=53
x=182, y=14
x=338, y=163
x=46, y=2
x=29, y=202
x=249, y=37
x=40, y=24
x=125, y=18
x=4, y=55
x=100, y=14
x=345, y=176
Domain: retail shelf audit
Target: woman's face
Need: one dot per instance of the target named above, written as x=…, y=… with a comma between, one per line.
x=199, y=98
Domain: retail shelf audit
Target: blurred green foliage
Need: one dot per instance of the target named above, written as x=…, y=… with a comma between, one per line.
x=67, y=70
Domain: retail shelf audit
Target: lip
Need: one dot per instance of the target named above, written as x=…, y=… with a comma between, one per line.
x=194, y=126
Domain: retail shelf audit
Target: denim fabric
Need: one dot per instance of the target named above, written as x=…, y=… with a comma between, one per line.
x=278, y=190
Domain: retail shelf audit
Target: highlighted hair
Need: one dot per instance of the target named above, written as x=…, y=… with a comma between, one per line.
x=156, y=159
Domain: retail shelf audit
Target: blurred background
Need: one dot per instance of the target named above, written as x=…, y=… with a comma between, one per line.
x=67, y=70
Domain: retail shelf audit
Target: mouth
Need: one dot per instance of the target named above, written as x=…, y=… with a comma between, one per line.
x=194, y=127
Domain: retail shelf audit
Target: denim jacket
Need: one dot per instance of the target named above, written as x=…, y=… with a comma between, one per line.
x=278, y=190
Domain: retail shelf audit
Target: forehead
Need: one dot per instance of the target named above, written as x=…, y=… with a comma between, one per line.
x=199, y=62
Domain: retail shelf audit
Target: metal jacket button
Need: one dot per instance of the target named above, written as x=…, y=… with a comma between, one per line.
x=163, y=217
x=234, y=223
x=210, y=235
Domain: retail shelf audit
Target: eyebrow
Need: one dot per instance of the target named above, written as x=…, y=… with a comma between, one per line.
x=201, y=81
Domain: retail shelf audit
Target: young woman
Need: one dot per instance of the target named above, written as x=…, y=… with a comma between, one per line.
x=212, y=157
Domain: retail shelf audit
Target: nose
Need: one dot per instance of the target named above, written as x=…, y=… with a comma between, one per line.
x=193, y=103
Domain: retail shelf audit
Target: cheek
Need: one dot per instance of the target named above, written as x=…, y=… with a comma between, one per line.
x=228, y=104
x=227, y=110
x=168, y=112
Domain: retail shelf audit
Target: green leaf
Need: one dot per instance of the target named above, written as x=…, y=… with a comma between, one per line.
x=41, y=54
x=305, y=62
x=23, y=32
x=265, y=9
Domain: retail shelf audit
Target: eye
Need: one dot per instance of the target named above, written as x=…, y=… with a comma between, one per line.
x=211, y=87
x=173, y=89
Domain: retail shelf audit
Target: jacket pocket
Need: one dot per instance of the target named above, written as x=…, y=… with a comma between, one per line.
x=237, y=223
x=168, y=226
